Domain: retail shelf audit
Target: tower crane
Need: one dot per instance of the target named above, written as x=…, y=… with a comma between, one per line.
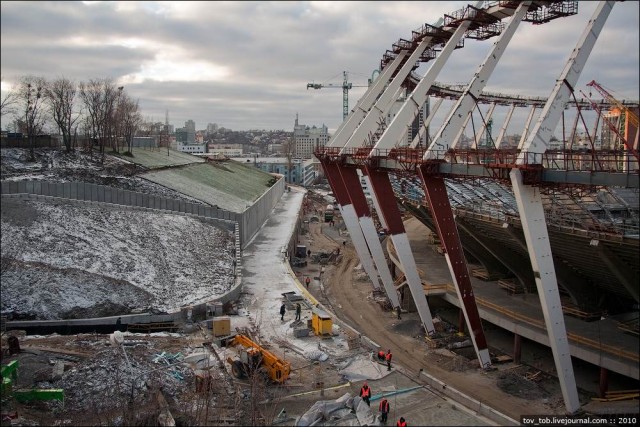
x=346, y=86
x=631, y=115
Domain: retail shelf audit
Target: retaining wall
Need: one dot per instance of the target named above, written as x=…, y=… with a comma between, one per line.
x=249, y=221
x=244, y=226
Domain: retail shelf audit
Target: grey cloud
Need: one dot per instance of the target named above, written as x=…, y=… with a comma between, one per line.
x=273, y=49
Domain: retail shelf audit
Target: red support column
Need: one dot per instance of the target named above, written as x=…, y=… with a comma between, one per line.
x=351, y=181
x=438, y=200
x=335, y=182
x=604, y=382
x=517, y=348
x=387, y=199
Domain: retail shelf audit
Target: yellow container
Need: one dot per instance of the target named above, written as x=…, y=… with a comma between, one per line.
x=321, y=322
x=221, y=326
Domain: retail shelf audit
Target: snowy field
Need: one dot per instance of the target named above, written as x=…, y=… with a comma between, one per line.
x=64, y=261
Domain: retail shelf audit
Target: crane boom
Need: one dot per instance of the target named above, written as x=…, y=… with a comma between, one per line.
x=613, y=128
x=277, y=369
x=346, y=86
x=632, y=116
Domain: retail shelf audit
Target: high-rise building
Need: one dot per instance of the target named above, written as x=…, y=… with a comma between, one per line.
x=307, y=139
x=190, y=126
x=186, y=139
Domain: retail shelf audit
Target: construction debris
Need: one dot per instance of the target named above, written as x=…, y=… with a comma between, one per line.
x=344, y=411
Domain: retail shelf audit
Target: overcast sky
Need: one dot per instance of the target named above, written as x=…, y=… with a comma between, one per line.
x=246, y=65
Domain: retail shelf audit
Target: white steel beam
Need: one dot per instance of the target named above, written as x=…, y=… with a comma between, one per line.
x=419, y=95
x=389, y=209
x=353, y=185
x=531, y=210
x=527, y=125
x=382, y=106
x=371, y=236
x=376, y=245
x=505, y=124
x=359, y=242
x=346, y=128
x=538, y=141
x=467, y=101
x=535, y=230
x=410, y=269
x=423, y=130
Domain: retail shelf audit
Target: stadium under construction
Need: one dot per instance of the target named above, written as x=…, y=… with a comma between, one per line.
x=545, y=216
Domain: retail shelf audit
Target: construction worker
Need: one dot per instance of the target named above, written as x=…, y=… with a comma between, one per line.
x=401, y=423
x=384, y=410
x=282, y=311
x=365, y=393
x=388, y=359
x=307, y=280
x=398, y=311
x=298, y=311
x=381, y=355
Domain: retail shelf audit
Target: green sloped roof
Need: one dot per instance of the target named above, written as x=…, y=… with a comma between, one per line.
x=157, y=157
x=229, y=185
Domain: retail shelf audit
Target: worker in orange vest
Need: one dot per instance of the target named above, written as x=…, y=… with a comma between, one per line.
x=381, y=355
x=388, y=359
x=365, y=393
x=401, y=422
x=384, y=410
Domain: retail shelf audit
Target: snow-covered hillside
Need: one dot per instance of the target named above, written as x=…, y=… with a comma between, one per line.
x=64, y=260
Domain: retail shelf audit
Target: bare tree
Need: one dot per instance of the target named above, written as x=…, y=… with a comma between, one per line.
x=289, y=150
x=8, y=102
x=130, y=119
x=31, y=96
x=100, y=97
x=91, y=96
x=60, y=95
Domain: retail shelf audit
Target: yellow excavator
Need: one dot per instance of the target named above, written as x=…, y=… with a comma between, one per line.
x=254, y=358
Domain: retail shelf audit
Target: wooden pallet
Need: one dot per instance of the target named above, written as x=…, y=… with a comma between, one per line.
x=573, y=310
x=630, y=326
x=434, y=289
x=510, y=286
x=482, y=273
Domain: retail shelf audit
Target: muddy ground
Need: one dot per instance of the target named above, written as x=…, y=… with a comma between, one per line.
x=348, y=293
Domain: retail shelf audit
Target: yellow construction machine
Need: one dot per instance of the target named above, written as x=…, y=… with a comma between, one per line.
x=253, y=358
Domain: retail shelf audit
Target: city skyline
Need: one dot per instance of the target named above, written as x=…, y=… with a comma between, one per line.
x=245, y=65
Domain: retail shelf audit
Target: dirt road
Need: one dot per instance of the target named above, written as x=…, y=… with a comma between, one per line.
x=350, y=298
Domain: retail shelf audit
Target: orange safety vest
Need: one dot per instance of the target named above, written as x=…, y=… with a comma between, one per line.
x=401, y=424
x=381, y=354
x=384, y=406
x=388, y=357
x=365, y=392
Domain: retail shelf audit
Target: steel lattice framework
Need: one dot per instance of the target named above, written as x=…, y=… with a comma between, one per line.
x=366, y=144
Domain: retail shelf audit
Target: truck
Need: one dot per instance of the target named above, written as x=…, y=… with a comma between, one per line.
x=253, y=358
x=328, y=213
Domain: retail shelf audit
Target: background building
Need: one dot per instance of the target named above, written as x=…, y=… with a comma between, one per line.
x=307, y=139
x=296, y=171
x=186, y=139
